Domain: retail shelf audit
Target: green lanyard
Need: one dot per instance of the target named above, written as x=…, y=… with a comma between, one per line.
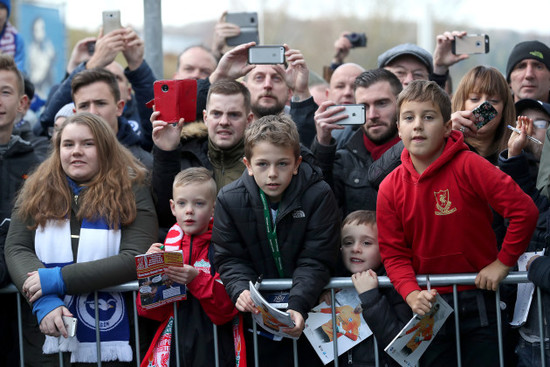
x=272, y=235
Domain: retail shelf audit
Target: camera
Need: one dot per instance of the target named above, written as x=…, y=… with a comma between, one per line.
x=357, y=39
x=164, y=88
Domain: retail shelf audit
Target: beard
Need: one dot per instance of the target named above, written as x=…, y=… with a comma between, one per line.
x=261, y=111
x=383, y=137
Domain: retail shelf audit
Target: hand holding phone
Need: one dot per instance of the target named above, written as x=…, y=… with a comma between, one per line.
x=175, y=99
x=484, y=113
x=355, y=112
x=70, y=325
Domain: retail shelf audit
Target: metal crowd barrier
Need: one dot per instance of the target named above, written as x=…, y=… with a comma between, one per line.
x=335, y=283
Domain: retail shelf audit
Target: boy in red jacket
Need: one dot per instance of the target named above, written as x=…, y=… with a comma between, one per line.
x=207, y=303
x=434, y=217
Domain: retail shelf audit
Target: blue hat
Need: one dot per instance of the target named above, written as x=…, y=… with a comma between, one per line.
x=7, y=4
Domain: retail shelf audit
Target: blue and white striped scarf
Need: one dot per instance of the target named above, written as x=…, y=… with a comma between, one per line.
x=97, y=241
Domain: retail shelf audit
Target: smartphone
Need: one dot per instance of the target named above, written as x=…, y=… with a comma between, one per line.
x=266, y=55
x=91, y=47
x=471, y=44
x=248, y=22
x=111, y=21
x=176, y=99
x=355, y=112
x=70, y=325
x=484, y=113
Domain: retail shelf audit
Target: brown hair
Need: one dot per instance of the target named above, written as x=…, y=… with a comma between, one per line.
x=87, y=77
x=8, y=64
x=229, y=88
x=426, y=91
x=360, y=217
x=278, y=130
x=46, y=194
x=196, y=175
x=488, y=80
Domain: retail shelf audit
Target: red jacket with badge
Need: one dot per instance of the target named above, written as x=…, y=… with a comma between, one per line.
x=439, y=222
x=207, y=288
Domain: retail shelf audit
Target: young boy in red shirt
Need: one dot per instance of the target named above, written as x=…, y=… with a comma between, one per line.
x=434, y=217
x=207, y=303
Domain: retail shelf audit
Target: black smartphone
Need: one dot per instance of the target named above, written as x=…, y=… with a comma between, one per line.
x=484, y=113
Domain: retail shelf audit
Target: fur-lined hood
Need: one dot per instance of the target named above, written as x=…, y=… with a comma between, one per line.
x=195, y=129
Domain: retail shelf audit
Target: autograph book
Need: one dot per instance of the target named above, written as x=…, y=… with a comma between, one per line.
x=155, y=289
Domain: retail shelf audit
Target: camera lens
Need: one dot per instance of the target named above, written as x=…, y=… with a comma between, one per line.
x=164, y=88
x=478, y=44
x=251, y=20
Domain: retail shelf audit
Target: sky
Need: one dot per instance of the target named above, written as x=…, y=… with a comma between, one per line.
x=531, y=16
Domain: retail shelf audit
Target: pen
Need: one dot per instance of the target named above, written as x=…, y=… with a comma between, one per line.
x=528, y=136
x=162, y=247
x=428, y=285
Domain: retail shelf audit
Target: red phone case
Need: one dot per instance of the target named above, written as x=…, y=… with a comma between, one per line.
x=175, y=99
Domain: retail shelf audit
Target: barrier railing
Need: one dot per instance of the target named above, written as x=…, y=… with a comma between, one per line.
x=335, y=283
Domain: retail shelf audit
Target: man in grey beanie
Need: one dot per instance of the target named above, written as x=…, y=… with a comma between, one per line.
x=528, y=71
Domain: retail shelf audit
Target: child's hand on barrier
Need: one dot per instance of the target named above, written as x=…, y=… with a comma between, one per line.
x=365, y=281
x=421, y=301
x=490, y=276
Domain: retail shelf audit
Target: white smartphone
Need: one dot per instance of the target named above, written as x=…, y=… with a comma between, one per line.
x=355, y=112
x=111, y=21
x=266, y=55
x=471, y=44
x=70, y=325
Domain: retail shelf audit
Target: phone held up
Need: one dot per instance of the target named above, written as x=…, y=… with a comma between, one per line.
x=355, y=112
x=266, y=55
x=111, y=21
x=175, y=99
x=484, y=113
x=471, y=44
x=248, y=22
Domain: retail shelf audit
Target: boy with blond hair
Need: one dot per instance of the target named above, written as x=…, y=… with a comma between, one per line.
x=434, y=215
x=278, y=220
x=207, y=303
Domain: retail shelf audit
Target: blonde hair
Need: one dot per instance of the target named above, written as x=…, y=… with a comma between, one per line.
x=360, y=217
x=46, y=194
x=196, y=175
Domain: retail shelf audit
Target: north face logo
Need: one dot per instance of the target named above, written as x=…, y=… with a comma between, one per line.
x=298, y=214
x=537, y=54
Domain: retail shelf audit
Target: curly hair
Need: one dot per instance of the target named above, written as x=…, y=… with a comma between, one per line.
x=46, y=194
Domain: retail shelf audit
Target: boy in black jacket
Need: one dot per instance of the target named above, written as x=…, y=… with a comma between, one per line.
x=383, y=308
x=279, y=220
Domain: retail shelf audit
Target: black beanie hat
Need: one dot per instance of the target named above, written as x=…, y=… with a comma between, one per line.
x=528, y=50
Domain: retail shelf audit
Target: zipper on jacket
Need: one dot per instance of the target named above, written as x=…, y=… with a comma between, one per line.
x=76, y=199
x=350, y=359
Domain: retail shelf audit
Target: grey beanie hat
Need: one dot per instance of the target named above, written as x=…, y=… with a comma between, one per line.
x=406, y=49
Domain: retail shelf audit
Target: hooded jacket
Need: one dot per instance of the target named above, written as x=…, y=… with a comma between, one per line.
x=207, y=303
x=439, y=222
x=308, y=230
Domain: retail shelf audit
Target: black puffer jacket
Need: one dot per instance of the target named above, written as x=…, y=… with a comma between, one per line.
x=307, y=225
x=15, y=165
x=346, y=171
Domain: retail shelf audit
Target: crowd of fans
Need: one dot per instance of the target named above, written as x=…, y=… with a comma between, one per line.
x=266, y=183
